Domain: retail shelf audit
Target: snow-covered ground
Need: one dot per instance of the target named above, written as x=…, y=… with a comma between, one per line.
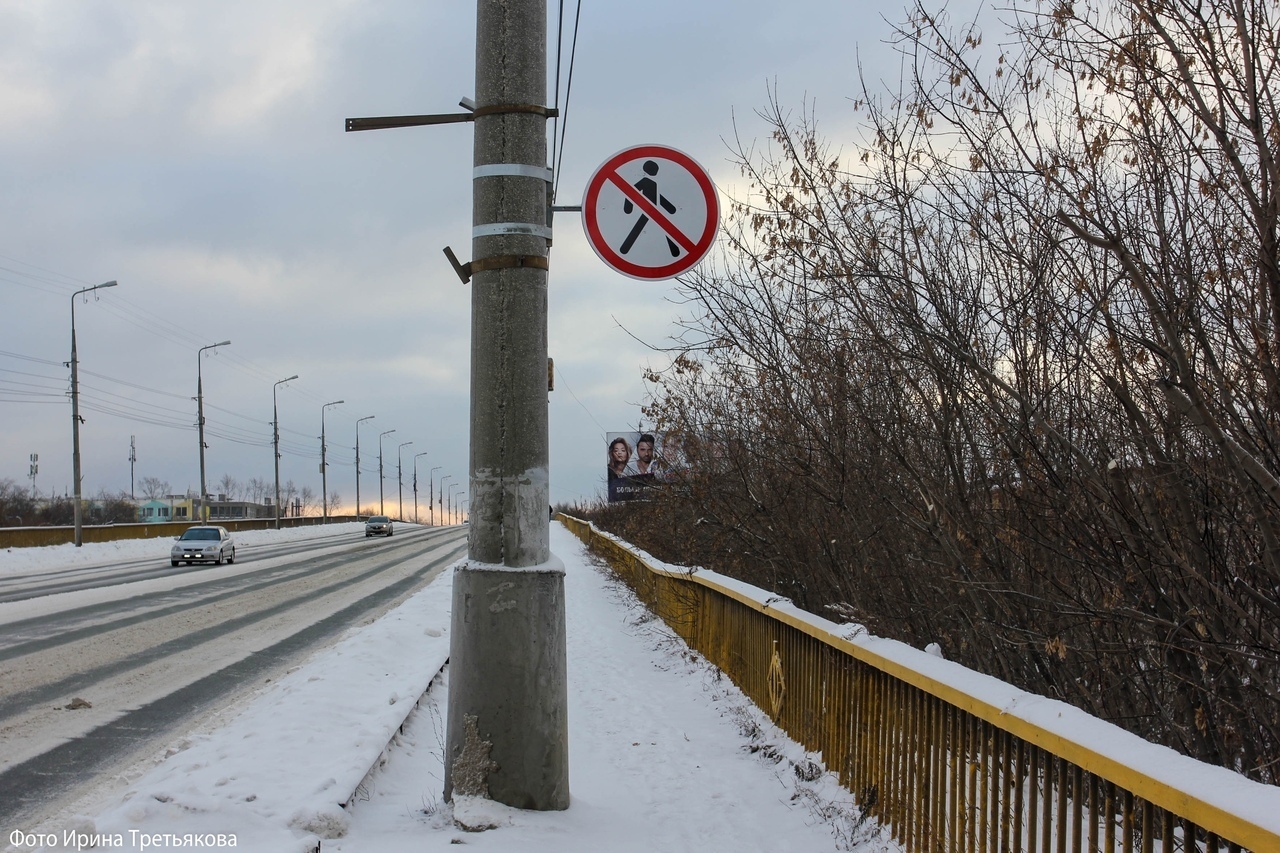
x=664, y=754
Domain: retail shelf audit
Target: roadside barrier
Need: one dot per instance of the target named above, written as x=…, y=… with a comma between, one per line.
x=951, y=761
x=30, y=537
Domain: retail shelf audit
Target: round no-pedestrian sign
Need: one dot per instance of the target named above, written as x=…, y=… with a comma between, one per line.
x=650, y=212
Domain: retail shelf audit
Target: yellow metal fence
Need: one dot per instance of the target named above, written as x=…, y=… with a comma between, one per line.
x=945, y=768
x=32, y=537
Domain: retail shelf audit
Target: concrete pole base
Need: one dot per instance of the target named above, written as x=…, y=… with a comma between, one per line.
x=508, y=727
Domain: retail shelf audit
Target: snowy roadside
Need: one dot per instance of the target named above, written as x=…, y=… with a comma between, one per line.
x=664, y=753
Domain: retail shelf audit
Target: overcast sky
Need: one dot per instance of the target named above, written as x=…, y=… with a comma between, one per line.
x=195, y=152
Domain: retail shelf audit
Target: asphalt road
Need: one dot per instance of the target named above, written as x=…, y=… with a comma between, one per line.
x=153, y=651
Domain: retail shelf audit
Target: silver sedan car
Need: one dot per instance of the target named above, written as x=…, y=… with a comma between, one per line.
x=203, y=544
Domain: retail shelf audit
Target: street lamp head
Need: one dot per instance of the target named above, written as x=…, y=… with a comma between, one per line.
x=95, y=287
x=366, y=418
x=334, y=403
x=388, y=432
x=290, y=379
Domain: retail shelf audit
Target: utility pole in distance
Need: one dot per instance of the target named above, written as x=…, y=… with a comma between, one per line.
x=507, y=727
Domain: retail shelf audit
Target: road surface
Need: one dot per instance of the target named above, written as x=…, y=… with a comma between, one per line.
x=103, y=666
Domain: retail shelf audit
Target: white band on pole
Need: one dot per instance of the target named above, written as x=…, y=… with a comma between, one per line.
x=498, y=170
x=496, y=229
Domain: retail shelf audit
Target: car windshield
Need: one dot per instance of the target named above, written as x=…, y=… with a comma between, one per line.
x=379, y=519
x=201, y=533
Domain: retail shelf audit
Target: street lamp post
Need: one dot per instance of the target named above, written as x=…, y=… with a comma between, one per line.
x=324, y=464
x=452, y=486
x=440, y=499
x=400, y=475
x=381, y=510
x=75, y=414
x=457, y=508
x=462, y=515
x=358, y=422
x=431, y=497
x=415, y=485
x=275, y=439
x=200, y=419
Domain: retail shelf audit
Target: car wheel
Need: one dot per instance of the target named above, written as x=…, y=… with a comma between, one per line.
x=232, y=558
x=367, y=535
x=173, y=562
x=217, y=561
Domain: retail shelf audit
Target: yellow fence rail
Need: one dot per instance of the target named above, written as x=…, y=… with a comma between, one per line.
x=34, y=537
x=950, y=760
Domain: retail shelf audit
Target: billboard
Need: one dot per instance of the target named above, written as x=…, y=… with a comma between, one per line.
x=633, y=464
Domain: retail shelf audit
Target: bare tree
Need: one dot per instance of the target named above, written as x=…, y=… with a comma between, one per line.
x=17, y=507
x=257, y=489
x=288, y=491
x=308, y=498
x=153, y=488
x=230, y=487
x=1005, y=377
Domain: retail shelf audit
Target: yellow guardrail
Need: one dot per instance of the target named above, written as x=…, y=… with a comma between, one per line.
x=30, y=537
x=949, y=759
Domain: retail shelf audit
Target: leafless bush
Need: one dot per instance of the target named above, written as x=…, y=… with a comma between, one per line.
x=1004, y=376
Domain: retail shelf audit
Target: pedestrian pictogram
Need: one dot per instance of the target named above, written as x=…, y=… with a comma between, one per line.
x=650, y=212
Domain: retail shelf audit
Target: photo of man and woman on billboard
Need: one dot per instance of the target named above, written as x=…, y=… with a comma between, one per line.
x=635, y=463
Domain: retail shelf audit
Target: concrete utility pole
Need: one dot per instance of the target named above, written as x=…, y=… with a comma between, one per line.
x=507, y=718
x=358, y=422
x=400, y=475
x=324, y=463
x=275, y=440
x=441, y=504
x=415, y=485
x=75, y=417
x=381, y=477
x=431, y=496
x=204, y=492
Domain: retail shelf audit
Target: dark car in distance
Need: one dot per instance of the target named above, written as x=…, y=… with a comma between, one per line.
x=378, y=525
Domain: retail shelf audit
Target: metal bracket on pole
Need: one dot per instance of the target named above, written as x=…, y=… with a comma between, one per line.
x=384, y=122
x=497, y=262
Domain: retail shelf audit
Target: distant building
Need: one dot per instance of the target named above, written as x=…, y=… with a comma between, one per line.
x=186, y=508
x=225, y=510
x=154, y=511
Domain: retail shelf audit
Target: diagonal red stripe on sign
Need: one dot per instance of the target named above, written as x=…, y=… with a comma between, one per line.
x=650, y=210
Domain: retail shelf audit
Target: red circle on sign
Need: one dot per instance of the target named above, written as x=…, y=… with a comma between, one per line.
x=688, y=222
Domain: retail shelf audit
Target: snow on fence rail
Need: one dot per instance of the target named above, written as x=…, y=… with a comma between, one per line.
x=948, y=758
